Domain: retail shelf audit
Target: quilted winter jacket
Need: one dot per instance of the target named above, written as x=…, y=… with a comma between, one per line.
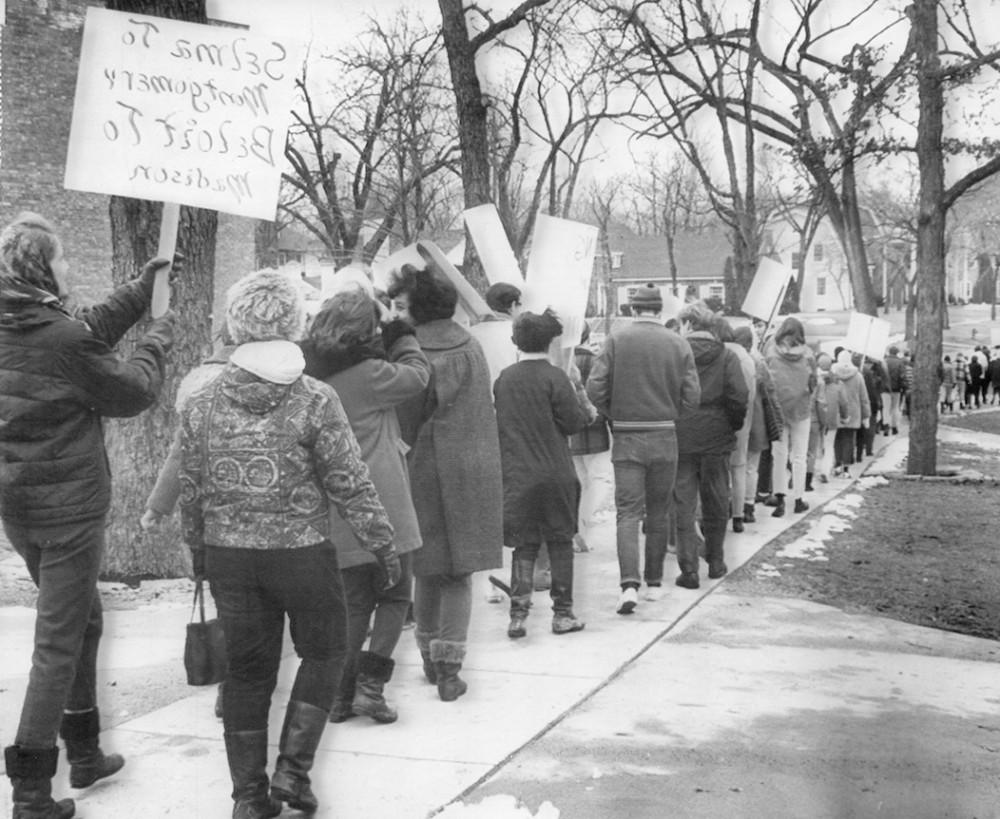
x=58, y=376
x=261, y=463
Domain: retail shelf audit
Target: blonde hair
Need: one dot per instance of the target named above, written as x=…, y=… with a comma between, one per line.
x=265, y=306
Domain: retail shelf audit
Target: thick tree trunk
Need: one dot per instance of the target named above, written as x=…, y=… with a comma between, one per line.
x=138, y=446
x=922, y=458
x=473, y=134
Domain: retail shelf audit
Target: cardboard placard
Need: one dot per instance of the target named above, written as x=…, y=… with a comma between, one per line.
x=495, y=253
x=560, y=265
x=766, y=291
x=181, y=112
x=867, y=335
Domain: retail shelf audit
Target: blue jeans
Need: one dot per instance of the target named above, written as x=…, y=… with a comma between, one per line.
x=706, y=477
x=645, y=469
x=64, y=562
x=254, y=589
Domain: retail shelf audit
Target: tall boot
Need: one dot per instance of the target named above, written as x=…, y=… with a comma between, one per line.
x=31, y=771
x=809, y=481
x=448, y=657
x=561, y=561
x=83, y=752
x=522, y=571
x=247, y=755
x=374, y=671
x=300, y=736
x=424, y=646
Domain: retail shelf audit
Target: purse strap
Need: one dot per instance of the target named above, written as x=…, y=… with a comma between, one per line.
x=199, y=599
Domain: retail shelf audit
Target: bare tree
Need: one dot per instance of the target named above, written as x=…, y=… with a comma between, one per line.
x=138, y=446
x=371, y=153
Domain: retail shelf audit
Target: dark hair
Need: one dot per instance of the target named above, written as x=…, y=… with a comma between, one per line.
x=585, y=333
x=533, y=332
x=432, y=295
x=501, y=297
x=744, y=337
x=792, y=331
x=724, y=330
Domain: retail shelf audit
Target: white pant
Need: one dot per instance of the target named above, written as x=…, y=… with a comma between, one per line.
x=597, y=485
x=795, y=440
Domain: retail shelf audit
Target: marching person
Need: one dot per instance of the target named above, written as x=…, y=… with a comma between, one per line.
x=454, y=472
x=60, y=377
x=265, y=452
x=643, y=380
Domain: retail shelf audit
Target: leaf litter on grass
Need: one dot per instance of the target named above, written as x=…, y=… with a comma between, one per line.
x=921, y=551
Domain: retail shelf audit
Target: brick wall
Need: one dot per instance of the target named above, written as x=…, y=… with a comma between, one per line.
x=39, y=51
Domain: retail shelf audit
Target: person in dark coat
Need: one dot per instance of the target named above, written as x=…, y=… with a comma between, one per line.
x=993, y=376
x=537, y=409
x=373, y=369
x=705, y=441
x=865, y=442
x=454, y=473
x=60, y=377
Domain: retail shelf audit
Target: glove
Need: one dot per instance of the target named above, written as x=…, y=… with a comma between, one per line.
x=150, y=269
x=161, y=331
x=393, y=331
x=388, y=562
x=198, y=563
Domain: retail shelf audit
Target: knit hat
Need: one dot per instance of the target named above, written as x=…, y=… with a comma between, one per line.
x=646, y=297
x=265, y=306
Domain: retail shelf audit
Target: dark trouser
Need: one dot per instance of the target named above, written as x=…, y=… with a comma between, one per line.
x=365, y=596
x=64, y=562
x=704, y=476
x=561, y=590
x=764, y=469
x=864, y=441
x=254, y=589
x=844, y=446
x=645, y=469
x=442, y=607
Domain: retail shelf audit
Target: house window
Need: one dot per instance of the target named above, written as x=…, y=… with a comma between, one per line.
x=616, y=259
x=796, y=260
x=820, y=285
x=715, y=290
x=818, y=252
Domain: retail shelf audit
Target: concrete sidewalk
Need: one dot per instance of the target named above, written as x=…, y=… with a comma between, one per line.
x=437, y=752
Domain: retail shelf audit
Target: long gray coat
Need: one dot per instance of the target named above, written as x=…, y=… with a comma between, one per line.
x=455, y=461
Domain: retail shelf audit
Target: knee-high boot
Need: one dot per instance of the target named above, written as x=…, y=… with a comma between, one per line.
x=374, y=671
x=246, y=752
x=447, y=657
x=563, y=619
x=31, y=771
x=522, y=571
x=83, y=752
x=300, y=736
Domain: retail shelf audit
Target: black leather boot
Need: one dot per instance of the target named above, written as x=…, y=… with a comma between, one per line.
x=83, y=752
x=448, y=657
x=522, y=571
x=561, y=561
x=31, y=771
x=779, y=509
x=246, y=752
x=300, y=736
x=809, y=482
x=748, y=513
x=374, y=671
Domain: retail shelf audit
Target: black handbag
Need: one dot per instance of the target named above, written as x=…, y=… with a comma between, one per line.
x=205, y=657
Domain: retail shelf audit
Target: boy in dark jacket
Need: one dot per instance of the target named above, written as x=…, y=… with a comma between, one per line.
x=537, y=408
x=60, y=376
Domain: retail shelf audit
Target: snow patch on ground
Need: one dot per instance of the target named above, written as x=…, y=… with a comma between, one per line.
x=837, y=516
x=501, y=806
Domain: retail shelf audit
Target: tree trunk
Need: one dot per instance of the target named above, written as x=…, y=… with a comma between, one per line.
x=137, y=447
x=922, y=458
x=473, y=134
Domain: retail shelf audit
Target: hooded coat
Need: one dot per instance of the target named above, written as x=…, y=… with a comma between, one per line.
x=793, y=368
x=59, y=376
x=851, y=394
x=455, y=460
x=712, y=427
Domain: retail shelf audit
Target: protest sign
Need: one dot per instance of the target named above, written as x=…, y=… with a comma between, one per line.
x=560, y=264
x=767, y=290
x=180, y=112
x=867, y=335
x=492, y=246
